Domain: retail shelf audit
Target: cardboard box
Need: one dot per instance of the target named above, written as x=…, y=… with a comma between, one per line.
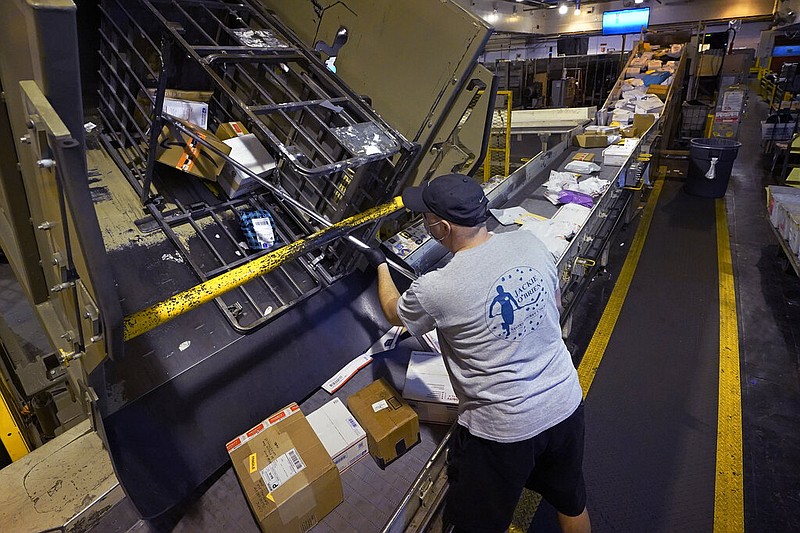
x=248, y=151
x=191, y=106
x=659, y=90
x=188, y=110
x=340, y=433
x=428, y=389
x=391, y=424
x=287, y=475
x=649, y=103
x=601, y=130
x=228, y=130
x=188, y=155
x=583, y=156
x=585, y=140
x=617, y=155
x=641, y=123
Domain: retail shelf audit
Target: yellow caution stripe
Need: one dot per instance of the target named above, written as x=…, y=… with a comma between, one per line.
x=10, y=434
x=155, y=315
x=728, y=488
x=597, y=346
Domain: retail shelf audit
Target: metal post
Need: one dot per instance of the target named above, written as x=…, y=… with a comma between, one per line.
x=156, y=122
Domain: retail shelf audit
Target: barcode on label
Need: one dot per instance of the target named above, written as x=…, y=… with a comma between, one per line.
x=296, y=461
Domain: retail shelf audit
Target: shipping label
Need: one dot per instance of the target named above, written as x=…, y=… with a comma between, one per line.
x=282, y=469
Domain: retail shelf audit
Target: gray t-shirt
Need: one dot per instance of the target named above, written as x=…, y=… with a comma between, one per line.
x=495, y=313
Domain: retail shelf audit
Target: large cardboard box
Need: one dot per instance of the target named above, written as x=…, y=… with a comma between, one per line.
x=391, y=424
x=340, y=433
x=428, y=389
x=187, y=154
x=287, y=475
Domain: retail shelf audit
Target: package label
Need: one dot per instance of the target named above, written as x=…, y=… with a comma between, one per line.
x=380, y=406
x=253, y=462
x=282, y=469
x=264, y=232
x=190, y=153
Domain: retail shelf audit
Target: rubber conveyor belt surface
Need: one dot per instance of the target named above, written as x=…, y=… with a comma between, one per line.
x=651, y=412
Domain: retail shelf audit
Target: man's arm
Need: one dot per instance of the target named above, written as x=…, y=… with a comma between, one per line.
x=388, y=295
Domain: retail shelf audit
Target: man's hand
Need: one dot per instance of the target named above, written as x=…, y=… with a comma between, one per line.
x=374, y=256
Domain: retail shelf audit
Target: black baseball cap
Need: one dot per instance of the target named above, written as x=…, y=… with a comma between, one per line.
x=453, y=197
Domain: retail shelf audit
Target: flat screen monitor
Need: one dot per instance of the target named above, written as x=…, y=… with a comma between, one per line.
x=625, y=21
x=786, y=51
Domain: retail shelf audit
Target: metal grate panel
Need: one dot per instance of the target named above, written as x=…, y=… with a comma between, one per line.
x=335, y=156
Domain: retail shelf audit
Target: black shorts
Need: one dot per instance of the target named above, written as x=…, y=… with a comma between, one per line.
x=486, y=477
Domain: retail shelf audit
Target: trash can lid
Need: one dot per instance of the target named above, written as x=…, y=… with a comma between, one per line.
x=716, y=142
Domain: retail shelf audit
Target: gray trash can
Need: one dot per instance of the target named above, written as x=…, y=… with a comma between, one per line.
x=710, y=166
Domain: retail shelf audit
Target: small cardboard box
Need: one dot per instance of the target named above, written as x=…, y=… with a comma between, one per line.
x=191, y=106
x=617, y=155
x=228, y=130
x=188, y=155
x=340, y=433
x=583, y=156
x=391, y=424
x=246, y=150
x=188, y=110
x=287, y=475
x=659, y=90
x=588, y=140
x=650, y=103
x=428, y=389
x=641, y=123
x=601, y=130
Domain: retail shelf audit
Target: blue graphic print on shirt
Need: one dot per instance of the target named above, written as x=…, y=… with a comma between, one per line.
x=515, y=306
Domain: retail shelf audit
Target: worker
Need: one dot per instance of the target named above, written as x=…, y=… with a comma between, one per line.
x=495, y=307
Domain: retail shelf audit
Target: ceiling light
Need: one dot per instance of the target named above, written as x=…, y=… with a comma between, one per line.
x=562, y=9
x=577, y=7
x=638, y=1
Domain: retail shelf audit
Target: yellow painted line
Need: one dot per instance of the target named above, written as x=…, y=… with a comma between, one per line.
x=155, y=315
x=597, y=347
x=728, y=488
